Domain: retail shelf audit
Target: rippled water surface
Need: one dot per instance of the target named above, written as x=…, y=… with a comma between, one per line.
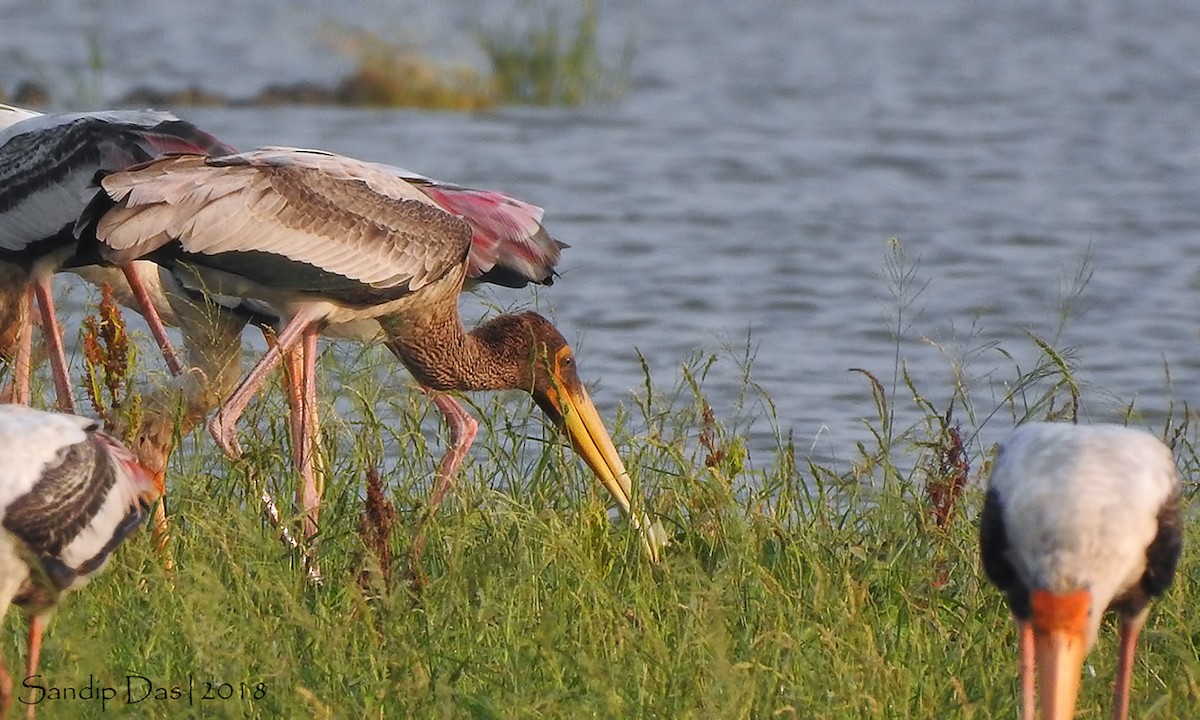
x=747, y=188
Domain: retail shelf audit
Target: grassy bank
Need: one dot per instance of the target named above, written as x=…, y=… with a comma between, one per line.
x=791, y=588
x=790, y=591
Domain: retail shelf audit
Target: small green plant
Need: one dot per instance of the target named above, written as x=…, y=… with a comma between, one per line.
x=545, y=56
x=109, y=357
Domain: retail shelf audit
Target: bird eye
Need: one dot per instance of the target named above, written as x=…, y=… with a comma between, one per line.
x=564, y=359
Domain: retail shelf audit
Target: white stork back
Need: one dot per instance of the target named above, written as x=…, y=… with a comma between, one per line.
x=49, y=163
x=11, y=115
x=69, y=494
x=1079, y=520
x=48, y=167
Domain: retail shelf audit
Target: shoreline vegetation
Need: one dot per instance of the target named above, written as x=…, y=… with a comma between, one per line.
x=791, y=588
x=542, y=56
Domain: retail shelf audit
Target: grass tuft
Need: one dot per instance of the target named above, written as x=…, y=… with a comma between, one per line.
x=544, y=56
x=548, y=53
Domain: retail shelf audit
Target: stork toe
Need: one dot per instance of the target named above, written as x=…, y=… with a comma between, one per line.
x=225, y=435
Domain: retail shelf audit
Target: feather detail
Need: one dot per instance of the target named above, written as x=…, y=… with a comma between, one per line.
x=339, y=215
x=73, y=494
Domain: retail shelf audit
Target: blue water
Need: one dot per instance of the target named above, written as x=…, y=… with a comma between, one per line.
x=749, y=186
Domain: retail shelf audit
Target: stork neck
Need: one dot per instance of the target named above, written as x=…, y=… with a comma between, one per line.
x=442, y=355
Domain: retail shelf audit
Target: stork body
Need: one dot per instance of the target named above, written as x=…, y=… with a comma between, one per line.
x=48, y=165
x=326, y=242
x=69, y=494
x=509, y=246
x=1079, y=520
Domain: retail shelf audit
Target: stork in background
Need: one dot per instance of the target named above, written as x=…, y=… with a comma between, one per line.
x=48, y=165
x=69, y=494
x=1079, y=520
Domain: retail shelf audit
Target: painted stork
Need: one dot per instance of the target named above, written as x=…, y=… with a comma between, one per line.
x=509, y=247
x=48, y=165
x=1079, y=520
x=326, y=241
x=69, y=495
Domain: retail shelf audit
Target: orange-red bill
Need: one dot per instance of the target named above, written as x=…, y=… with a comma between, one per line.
x=1060, y=641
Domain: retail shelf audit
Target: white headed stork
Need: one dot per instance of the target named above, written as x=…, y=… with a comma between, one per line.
x=69, y=494
x=329, y=242
x=1079, y=520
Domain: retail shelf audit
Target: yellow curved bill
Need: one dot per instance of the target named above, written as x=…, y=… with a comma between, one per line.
x=591, y=441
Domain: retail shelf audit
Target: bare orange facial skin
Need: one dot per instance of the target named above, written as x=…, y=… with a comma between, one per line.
x=1067, y=613
x=562, y=354
x=1060, y=640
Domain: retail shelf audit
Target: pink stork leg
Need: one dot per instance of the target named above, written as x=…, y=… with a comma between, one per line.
x=52, y=335
x=157, y=329
x=462, y=434
x=1130, y=627
x=301, y=382
x=300, y=385
x=223, y=424
x=293, y=385
x=463, y=428
x=5, y=690
x=1025, y=632
x=293, y=369
x=37, y=623
x=23, y=362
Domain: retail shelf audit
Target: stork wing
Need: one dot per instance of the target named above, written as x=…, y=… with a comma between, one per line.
x=509, y=245
x=339, y=216
x=48, y=164
x=29, y=441
x=69, y=493
x=11, y=114
x=63, y=501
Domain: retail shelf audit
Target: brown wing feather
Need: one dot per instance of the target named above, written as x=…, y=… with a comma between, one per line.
x=335, y=213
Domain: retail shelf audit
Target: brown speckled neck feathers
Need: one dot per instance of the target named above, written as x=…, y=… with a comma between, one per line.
x=497, y=355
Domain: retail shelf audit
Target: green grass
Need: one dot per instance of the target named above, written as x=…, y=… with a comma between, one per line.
x=547, y=54
x=791, y=589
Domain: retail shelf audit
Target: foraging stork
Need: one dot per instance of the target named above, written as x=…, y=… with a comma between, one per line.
x=48, y=164
x=509, y=247
x=1079, y=520
x=211, y=335
x=327, y=242
x=69, y=494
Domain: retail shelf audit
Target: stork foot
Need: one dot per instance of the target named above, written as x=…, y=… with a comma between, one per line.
x=225, y=435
